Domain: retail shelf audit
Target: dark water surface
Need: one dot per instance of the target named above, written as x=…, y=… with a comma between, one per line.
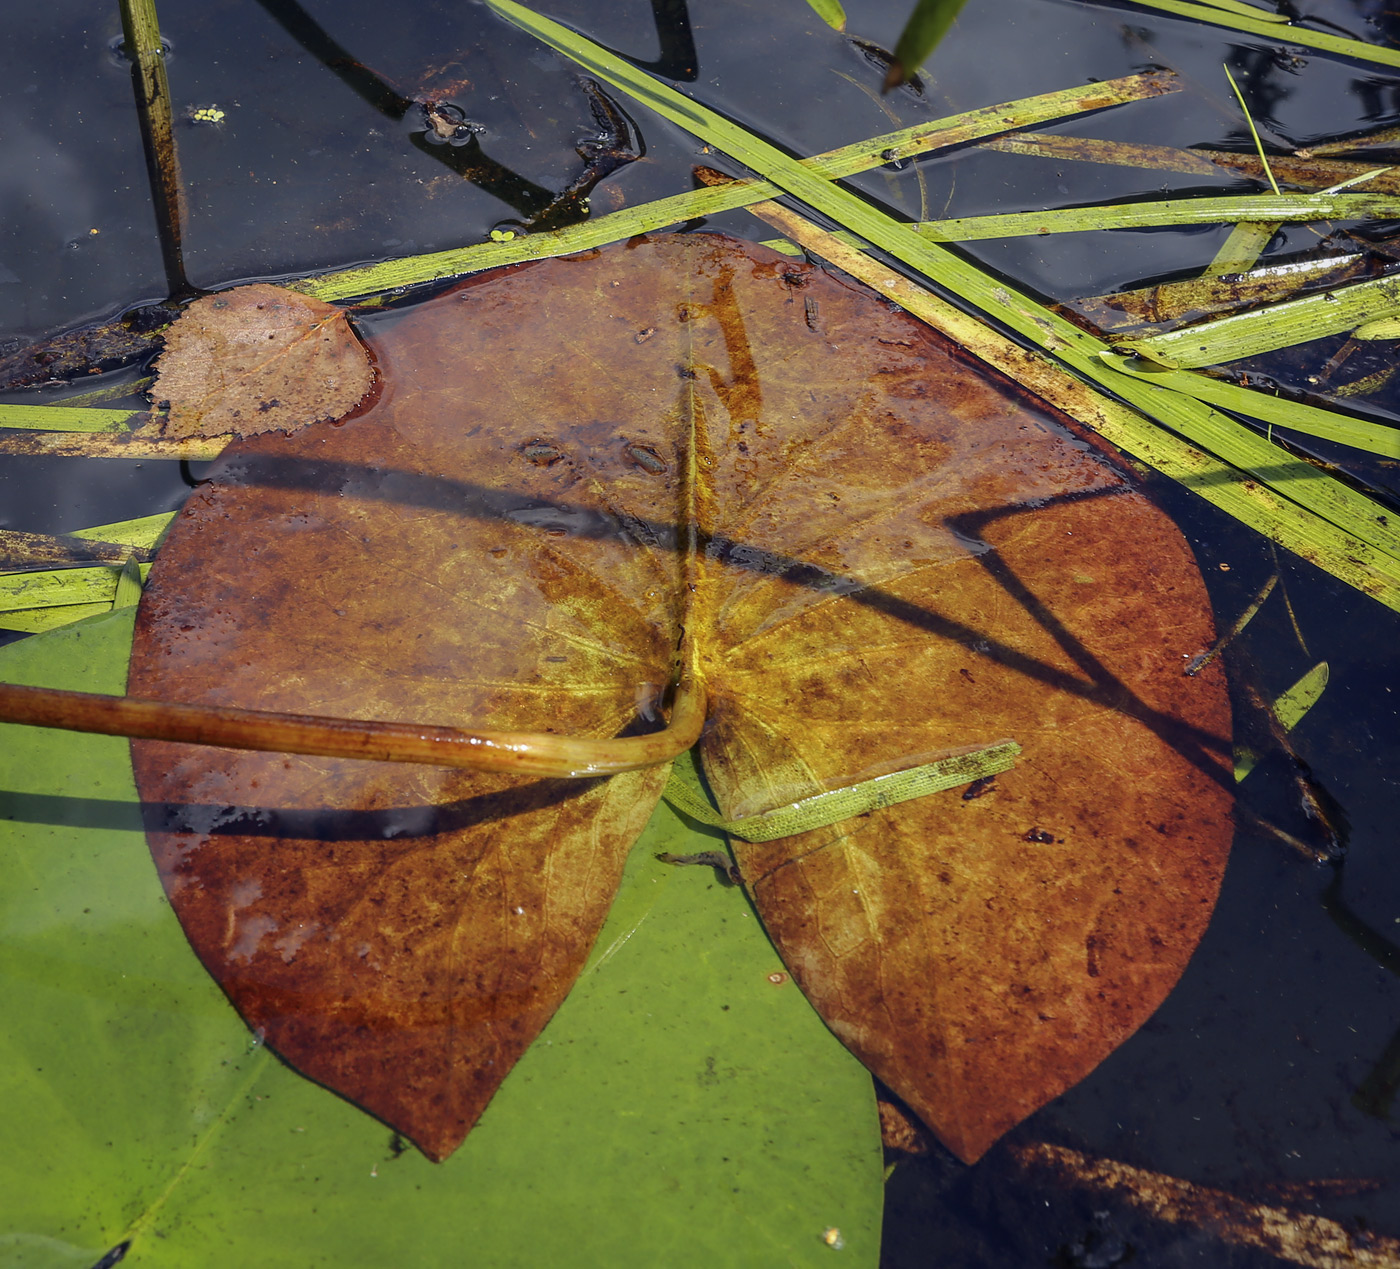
x=1277, y=1059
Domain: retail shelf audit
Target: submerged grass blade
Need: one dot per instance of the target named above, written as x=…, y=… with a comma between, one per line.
x=1367, y=384
x=1349, y=145
x=835, y=805
x=1167, y=211
x=1211, y=294
x=1202, y=659
x=1290, y=707
x=1242, y=249
x=1293, y=704
x=141, y=35
x=1265, y=329
x=1305, y=172
x=1226, y=443
x=862, y=156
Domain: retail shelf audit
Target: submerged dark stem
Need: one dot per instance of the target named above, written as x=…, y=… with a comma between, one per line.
x=141, y=33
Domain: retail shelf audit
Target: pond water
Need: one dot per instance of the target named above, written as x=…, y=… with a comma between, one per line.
x=1276, y=1061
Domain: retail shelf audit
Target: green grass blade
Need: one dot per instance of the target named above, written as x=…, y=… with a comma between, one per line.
x=927, y=25
x=1265, y=329
x=1323, y=40
x=1253, y=132
x=1247, y=10
x=1369, y=177
x=835, y=805
x=63, y=418
x=1223, y=485
x=110, y=392
x=1167, y=211
x=39, y=620
x=128, y=593
x=862, y=156
x=56, y=587
x=146, y=531
x=1366, y=521
x=1381, y=328
x=1341, y=429
x=830, y=12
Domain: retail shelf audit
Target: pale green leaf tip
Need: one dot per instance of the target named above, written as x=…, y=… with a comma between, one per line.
x=1381, y=328
x=128, y=593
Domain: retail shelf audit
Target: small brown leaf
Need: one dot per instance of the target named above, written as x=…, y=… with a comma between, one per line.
x=259, y=359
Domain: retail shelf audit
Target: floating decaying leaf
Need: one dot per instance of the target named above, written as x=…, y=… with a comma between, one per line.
x=259, y=359
x=881, y=554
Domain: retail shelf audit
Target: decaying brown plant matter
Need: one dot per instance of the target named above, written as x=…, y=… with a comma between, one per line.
x=686, y=460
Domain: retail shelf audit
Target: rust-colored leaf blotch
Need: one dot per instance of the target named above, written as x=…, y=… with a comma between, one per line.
x=259, y=359
x=878, y=552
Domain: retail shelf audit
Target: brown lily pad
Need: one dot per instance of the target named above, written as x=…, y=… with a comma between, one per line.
x=259, y=359
x=881, y=552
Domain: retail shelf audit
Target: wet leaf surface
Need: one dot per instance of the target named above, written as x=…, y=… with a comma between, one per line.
x=259, y=359
x=883, y=555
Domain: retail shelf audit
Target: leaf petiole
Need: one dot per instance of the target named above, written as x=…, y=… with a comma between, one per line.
x=515, y=753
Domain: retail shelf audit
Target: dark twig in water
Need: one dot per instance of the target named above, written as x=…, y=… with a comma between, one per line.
x=142, y=43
